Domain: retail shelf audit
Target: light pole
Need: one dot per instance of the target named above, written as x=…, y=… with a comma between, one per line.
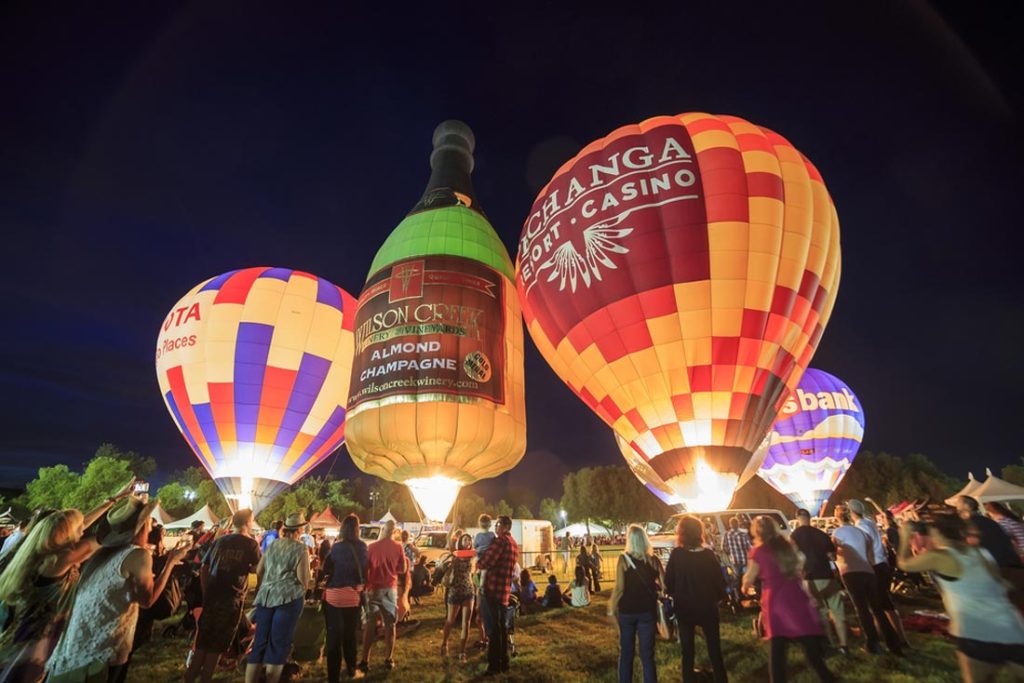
x=374, y=497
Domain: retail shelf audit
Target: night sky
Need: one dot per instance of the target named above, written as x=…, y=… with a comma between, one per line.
x=147, y=148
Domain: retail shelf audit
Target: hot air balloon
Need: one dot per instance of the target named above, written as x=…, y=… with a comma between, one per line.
x=254, y=366
x=814, y=440
x=678, y=275
x=437, y=396
x=645, y=473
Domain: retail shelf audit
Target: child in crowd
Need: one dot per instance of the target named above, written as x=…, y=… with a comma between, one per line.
x=552, y=594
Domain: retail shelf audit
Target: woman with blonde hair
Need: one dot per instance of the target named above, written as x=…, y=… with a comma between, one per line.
x=634, y=603
x=37, y=585
x=788, y=613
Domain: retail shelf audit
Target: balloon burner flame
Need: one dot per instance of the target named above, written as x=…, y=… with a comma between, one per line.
x=706, y=490
x=434, y=496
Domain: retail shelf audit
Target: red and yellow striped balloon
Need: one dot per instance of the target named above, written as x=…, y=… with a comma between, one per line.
x=678, y=275
x=254, y=366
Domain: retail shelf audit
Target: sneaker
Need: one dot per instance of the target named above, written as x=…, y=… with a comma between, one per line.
x=363, y=666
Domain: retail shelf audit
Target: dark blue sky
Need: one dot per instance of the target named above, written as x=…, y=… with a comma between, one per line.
x=148, y=148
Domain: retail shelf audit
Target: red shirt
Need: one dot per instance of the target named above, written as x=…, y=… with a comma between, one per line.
x=500, y=561
x=386, y=560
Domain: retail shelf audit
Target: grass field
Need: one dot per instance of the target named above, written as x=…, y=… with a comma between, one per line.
x=581, y=645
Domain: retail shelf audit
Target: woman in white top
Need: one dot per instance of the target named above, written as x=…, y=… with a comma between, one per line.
x=97, y=642
x=853, y=557
x=578, y=591
x=988, y=631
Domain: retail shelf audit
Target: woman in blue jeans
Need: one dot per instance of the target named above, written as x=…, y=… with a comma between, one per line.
x=634, y=603
x=284, y=576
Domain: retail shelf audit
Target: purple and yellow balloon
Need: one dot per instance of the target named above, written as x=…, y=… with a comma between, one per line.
x=254, y=367
x=814, y=440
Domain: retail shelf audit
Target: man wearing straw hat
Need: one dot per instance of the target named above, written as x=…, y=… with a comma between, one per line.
x=115, y=583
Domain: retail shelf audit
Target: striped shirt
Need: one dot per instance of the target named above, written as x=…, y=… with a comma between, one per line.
x=1015, y=530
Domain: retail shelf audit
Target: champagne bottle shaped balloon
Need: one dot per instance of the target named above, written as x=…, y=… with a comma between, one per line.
x=436, y=399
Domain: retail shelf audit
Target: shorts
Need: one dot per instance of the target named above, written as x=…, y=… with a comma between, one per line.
x=384, y=601
x=218, y=624
x=990, y=653
x=883, y=573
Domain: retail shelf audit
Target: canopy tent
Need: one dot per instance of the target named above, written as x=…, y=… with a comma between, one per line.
x=204, y=514
x=580, y=529
x=996, y=490
x=967, y=490
x=388, y=517
x=161, y=516
x=326, y=522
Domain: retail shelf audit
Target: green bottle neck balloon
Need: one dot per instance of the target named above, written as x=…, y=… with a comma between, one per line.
x=447, y=220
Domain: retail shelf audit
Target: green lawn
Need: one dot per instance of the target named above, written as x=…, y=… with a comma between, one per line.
x=581, y=645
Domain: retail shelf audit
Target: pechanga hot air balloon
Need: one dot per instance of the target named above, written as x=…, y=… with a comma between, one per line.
x=437, y=383
x=646, y=474
x=678, y=275
x=814, y=440
x=254, y=366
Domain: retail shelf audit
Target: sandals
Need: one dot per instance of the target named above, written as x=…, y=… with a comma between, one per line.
x=444, y=649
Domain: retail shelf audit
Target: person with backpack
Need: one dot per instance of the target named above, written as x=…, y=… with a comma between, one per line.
x=634, y=604
x=224, y=580
x=696, y=583
x=345, y=568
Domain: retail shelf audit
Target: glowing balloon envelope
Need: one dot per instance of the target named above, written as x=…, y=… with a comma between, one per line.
x=678, y=275
x=437, y=397
x=254, y=367
x=814, y=441
x=646, y=474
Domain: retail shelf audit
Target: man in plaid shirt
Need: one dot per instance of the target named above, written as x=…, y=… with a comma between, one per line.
x=737, y=545
x=498, y=563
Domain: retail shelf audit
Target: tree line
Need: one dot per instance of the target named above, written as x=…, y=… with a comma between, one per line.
x=607, y=495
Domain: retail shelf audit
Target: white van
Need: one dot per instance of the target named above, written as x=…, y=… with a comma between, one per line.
x=715, y=525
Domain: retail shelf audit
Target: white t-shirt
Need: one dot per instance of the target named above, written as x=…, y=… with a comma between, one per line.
x=579, y=595
x=871, y=529
x=854, y=547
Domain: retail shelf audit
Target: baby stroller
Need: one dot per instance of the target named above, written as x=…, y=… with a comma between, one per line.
x=733, y=599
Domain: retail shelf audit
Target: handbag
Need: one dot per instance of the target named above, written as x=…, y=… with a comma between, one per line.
x=663, y=607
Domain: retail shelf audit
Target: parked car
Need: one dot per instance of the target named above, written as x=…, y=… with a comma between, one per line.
x=715, y=525
x=433, y=544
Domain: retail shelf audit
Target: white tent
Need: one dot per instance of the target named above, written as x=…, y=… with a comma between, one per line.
x=160, y=516
x=388, y=517
x=996, y=490
x=580, y=529
x=968, y=490
x=204, y=514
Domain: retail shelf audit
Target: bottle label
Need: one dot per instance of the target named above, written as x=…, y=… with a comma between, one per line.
x=430, y=328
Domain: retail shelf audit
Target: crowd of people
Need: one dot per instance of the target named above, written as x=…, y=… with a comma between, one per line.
x=80, y=592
